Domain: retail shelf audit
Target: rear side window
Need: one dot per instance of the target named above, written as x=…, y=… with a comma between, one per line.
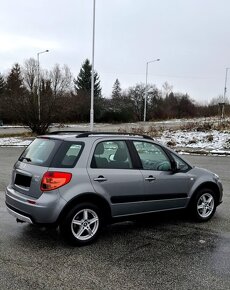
x=112, y=154
x=67, y=154
x=40, y=152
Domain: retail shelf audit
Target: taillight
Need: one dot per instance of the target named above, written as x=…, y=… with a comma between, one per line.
x=53, y=179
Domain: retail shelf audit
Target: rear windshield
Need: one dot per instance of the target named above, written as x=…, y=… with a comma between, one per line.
x=40, y=152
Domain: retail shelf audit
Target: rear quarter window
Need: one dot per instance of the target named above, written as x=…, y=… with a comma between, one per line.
x=67, y=154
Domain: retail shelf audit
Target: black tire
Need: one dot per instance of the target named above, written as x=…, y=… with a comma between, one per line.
x=82, y=224
x=203, y=205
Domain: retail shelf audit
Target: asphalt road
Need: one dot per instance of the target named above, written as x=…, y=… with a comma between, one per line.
x=173, y=124
x=165, y=252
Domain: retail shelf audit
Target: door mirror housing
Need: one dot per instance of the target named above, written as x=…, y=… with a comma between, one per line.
x=175, y=167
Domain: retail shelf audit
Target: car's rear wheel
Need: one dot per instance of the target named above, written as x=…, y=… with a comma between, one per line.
x=82, y=224
x=204, y=205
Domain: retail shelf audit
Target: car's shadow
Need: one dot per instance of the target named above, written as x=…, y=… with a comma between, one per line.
x=138, y=225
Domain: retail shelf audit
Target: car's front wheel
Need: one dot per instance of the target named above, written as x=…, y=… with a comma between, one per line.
x=82, y=224
x=204, y=205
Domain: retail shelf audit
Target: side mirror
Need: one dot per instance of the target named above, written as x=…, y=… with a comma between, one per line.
x=175, y=167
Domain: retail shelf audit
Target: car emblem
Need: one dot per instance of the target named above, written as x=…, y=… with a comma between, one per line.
x=36, y=178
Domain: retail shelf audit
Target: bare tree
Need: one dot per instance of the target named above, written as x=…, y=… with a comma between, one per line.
x=30, y=74
x=136, y=95
x=54, y=85
x=217, y=100
x=61, y=80
x=167, y=89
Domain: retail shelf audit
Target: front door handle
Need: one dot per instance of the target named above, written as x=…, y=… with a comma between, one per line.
x=100, y=178
x=150, y=178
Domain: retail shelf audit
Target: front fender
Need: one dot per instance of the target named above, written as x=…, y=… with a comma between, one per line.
x=205, y=179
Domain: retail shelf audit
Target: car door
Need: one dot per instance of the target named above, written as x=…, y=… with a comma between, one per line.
x=163, y=189
x=112, y=175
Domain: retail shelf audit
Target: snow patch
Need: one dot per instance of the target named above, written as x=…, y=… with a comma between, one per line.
x=212, y=141
x=14, y=141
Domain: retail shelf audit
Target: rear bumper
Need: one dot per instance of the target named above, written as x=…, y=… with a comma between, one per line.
x=44, y=210
x=18, y=215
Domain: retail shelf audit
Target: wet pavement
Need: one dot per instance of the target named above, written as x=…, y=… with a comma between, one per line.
x=164, y=251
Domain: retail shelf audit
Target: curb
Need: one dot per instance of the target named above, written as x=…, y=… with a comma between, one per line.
x=19, y=146
x=203, y=152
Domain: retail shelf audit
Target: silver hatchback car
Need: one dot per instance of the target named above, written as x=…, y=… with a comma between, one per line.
x=81, y=181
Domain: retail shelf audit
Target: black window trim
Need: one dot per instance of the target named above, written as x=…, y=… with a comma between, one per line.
x=134, y=154
x=180, y=170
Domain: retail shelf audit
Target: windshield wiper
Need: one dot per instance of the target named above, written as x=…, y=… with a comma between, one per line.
x=25, y=158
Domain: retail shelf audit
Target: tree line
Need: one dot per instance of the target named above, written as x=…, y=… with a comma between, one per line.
x=39, y=99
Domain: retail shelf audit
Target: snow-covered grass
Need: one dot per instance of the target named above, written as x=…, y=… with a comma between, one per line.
x=211, y=140
x=13, y=126
x=14, y=141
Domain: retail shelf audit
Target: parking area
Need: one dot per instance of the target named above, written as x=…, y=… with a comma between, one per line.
x=164, y=251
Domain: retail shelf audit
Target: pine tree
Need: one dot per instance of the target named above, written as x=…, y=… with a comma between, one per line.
x=2, y=96
x=14, y=79
x=116, y=93
x=83, y=81
x=15, y=92
x=83, y=92
x=2, y=85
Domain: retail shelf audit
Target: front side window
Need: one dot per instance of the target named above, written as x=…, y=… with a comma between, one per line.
x=111, y=154
x=152, y=156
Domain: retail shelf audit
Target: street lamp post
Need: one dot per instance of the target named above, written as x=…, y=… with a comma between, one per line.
x=38, y=83
x=92, y=75
x=146, y=84
x=222, y=104
x=225, y=83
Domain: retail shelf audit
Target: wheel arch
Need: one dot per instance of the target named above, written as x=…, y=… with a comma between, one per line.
x=209, y=185
x=93, y=198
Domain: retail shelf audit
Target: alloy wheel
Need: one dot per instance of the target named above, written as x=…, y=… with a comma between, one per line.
x=85, y=224
x=205, y=205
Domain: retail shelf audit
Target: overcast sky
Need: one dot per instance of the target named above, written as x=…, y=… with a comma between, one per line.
x=191, y=38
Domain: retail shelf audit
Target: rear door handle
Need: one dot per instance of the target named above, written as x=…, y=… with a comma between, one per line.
x=100, y=178
x=150, y=178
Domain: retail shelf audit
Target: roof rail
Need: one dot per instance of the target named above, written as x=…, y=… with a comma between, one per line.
x=67, y=132
x=87, y=134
